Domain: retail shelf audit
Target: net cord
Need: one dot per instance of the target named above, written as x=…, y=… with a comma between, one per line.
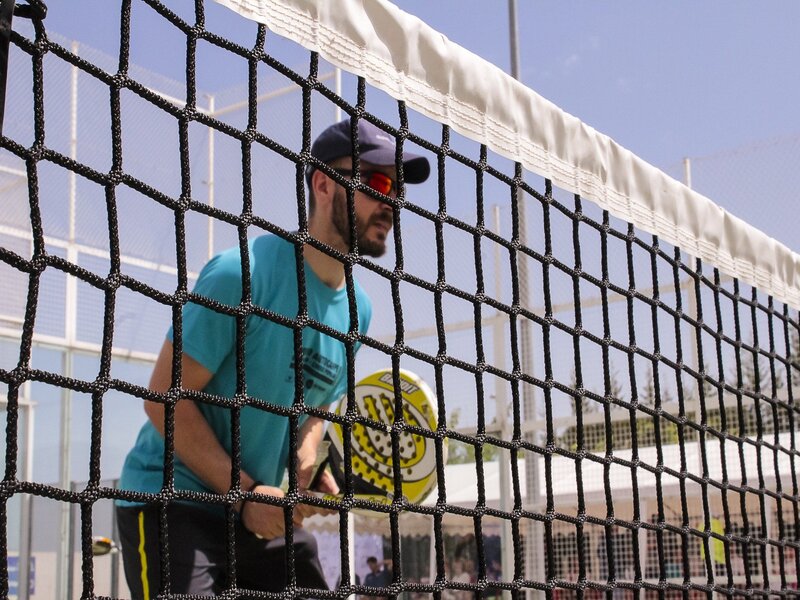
x=619, y=534
x=401, y=55
x=6, y=16
x=35, y=10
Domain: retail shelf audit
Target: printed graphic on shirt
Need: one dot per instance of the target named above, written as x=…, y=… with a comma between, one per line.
x=318, y=371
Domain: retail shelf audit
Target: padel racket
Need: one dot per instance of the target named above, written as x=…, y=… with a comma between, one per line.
x=371, y=447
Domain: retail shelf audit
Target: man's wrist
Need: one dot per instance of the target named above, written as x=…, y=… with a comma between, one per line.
x=254, y=485
x=250, y=488
x=304, y=477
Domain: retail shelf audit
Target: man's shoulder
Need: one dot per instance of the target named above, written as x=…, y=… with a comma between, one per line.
x=263, y=251
x=223, y=272
x=271, y=245
x=364, y=304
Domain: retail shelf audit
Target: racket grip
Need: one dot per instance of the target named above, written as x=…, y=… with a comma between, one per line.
x=318, y=474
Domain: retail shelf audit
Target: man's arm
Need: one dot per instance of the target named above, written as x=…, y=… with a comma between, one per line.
x=309, y=437
x=308, y=440
x=198, y=447
x=195, y=442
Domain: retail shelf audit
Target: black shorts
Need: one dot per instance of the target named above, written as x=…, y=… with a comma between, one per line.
x=198, y=556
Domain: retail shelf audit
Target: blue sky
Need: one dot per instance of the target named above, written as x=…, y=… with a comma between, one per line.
x=666, y=80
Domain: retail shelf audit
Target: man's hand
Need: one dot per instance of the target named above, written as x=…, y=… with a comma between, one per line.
x=325, y=484
x=266, y=520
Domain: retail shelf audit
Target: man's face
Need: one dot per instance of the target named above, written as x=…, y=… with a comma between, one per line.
x=374, y=566
x=373, y=217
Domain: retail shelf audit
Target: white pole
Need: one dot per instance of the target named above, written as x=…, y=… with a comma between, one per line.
x=64, y=558
x=499, y=339
x=432, y=572
x=768, y=554
x=693, y=311
x=211, y=106
x=528, y=397
x=642, y=535
x=687, y=172
x=351, y=544
x=513, y=38
x=73, y=144
x=26, y=504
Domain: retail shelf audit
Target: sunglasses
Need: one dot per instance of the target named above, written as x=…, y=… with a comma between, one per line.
x=375, y=180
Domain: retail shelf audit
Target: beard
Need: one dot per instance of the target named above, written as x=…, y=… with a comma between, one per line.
x=341, y=222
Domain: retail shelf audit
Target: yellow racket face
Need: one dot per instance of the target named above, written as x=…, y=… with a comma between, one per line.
x=372, y=447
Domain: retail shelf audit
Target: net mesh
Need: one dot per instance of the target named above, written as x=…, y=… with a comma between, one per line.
x=620, y=416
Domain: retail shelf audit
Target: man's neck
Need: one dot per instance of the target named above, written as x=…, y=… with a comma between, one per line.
x=329, y=270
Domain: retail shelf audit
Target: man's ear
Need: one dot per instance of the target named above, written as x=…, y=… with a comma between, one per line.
x=323, y=186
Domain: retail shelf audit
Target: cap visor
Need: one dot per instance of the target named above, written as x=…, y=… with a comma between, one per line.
x=416, y=169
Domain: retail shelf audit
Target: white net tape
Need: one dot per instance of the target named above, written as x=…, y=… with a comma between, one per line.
x=401, y=55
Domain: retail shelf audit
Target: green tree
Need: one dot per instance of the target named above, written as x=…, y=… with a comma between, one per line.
x=587, y=406
x=756, y=372
x=647, y=395
x=569, y=437
x=757, y=375
x=710, y=393
x=615, y=387
x=459, y=452
x=644, y=422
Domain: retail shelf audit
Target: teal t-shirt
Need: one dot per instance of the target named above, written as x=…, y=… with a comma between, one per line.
x=209, y=337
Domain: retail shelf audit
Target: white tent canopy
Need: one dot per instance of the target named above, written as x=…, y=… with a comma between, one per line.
x=461, y=485
x=461, y=482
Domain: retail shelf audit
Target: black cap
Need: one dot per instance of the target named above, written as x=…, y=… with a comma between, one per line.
x=374, y=146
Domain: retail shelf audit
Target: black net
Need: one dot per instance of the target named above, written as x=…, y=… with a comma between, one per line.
x=614, y=417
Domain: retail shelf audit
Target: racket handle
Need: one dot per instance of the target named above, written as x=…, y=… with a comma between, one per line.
x=318, y=475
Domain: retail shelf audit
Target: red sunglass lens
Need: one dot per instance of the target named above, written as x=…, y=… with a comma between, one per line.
x=380, y=183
